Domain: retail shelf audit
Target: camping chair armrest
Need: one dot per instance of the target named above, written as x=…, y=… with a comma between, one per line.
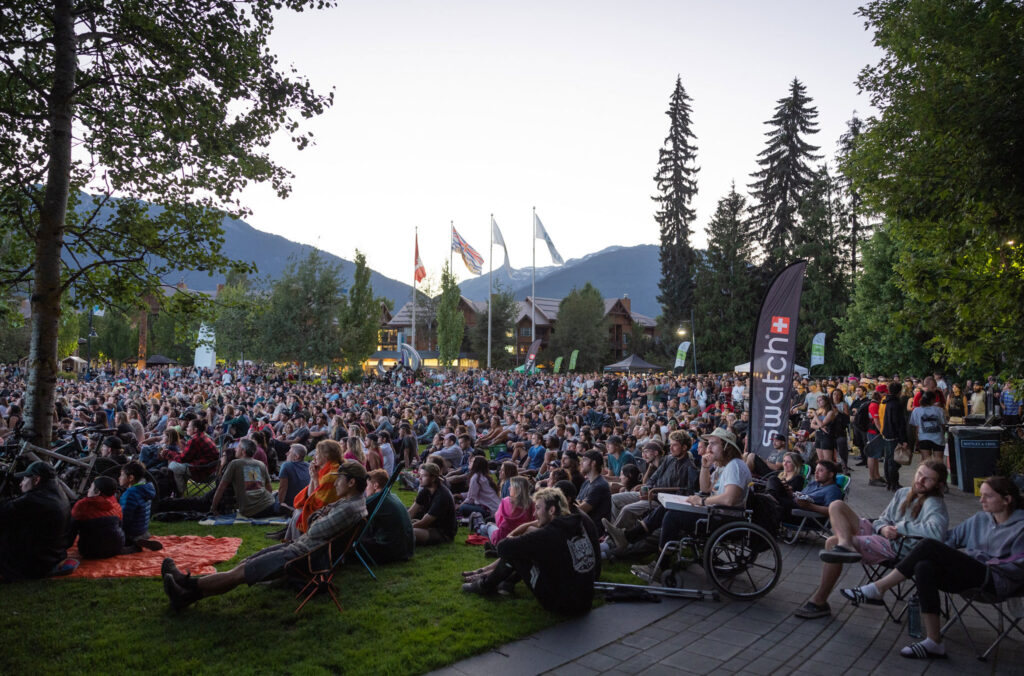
x=807, y=514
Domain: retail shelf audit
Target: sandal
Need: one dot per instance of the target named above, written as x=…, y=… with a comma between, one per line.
x=918, y=651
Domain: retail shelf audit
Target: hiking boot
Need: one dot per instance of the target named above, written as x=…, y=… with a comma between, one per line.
x=168, y=567
x=181, y=597
x=618, y=535
x=810, y=611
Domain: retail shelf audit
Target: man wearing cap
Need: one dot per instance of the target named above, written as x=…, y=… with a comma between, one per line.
x=330, y=522
x=759, y=466
x=34, y=526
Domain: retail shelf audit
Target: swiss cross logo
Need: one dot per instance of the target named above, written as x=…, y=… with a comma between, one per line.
x=780, y=325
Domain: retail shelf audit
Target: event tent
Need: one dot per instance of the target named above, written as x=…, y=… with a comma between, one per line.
x=159, y=360
x=745, y=368
x=633, y=363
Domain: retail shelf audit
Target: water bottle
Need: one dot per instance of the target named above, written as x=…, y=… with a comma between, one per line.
x=914, y=618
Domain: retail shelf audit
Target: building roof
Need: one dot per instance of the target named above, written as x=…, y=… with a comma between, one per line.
x=403, y=317
x=547, y=311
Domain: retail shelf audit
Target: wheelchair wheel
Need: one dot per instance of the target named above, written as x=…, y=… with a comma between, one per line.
x=742, y=560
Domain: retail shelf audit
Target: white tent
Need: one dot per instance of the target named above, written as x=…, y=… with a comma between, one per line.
x=745, y=368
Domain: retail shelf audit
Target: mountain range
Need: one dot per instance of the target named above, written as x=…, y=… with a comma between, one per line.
x=616, y=271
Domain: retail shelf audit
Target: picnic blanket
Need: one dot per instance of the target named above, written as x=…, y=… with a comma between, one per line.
x=195, y=553
x=236, y=518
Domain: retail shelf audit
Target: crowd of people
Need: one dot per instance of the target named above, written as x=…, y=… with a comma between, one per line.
x=552, y=472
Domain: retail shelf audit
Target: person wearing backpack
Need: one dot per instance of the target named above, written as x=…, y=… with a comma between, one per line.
x=929, y=419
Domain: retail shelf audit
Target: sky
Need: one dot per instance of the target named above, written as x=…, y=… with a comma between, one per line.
x=456, y=110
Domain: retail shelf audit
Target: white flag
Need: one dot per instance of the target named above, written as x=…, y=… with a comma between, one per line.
x=540, y=233
x=498, y=239
x=818, y=349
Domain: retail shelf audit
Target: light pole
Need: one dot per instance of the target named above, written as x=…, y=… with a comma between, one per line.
x=681, y=331
x=88, y=343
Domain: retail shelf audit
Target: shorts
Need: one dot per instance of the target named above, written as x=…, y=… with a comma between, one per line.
x=925, y=445
x=436, y=537
x=873, y=548
x=824, y=441
x=268, y=563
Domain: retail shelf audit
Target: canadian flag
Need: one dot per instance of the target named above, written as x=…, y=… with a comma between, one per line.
x=780, y=325
x=419, y=272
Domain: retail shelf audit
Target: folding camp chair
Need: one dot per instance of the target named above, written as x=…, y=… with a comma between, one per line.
x=902, y=592
x=359, y=550
x=318, y=566
x=805, y=522
x=1009, y=617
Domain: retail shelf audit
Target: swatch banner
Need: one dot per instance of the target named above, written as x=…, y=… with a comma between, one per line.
x=818, y=349
x=558, y=365
x=572, y=360
x=531, y=357
x=684, y=347
x=772, y=358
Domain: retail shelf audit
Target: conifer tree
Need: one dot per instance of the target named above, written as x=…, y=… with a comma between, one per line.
x=853, y=203
x=785, y=175
x=727, y=287
x=451, y=322
x=677, y=185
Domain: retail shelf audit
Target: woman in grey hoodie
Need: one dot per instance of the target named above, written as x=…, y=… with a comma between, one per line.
x=985, y=552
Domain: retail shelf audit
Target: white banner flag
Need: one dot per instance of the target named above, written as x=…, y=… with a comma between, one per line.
x=818, y=349
x=540, y=233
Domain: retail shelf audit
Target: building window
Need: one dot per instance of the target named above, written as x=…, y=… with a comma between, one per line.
x=524, y=332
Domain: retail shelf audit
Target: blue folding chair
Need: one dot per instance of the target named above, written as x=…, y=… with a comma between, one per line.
x=812, y=523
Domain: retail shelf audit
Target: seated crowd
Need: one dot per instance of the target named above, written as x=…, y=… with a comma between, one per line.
x=552, y=473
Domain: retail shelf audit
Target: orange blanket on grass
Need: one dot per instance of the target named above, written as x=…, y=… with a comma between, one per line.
x=195, y=553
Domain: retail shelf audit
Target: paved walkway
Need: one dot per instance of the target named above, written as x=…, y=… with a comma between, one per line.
x=761, y=637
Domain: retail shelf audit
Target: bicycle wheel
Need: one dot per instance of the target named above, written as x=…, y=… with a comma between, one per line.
x=742, y=560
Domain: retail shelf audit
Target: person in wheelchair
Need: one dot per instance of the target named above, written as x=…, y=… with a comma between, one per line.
x=984, y=553
x=725, y=487
x=915, y=512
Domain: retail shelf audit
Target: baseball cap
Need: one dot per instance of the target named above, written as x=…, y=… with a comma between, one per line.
x=41, y=469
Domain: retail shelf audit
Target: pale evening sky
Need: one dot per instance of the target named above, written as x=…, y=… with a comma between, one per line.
x=455, y=110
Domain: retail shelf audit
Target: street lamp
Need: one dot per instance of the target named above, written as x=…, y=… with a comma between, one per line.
x=89, y=336
x=693, y=340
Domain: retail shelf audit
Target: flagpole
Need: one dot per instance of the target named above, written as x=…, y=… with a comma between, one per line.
x=533, y=282
x=414, y=264
x=451, y=240
x=490, y=293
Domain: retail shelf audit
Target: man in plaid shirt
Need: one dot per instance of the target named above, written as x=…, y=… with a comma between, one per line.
x=1011, y=405
x=200, y=450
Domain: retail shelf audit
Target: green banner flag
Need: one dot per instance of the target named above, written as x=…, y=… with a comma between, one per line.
x=572, y=360
x=558, y=364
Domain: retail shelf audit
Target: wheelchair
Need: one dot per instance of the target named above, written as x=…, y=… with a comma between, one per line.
x=740, y=558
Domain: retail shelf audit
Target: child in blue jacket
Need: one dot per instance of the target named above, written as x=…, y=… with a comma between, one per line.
x=135, y=506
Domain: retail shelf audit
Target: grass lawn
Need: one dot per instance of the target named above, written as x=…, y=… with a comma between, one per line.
x=412, y=620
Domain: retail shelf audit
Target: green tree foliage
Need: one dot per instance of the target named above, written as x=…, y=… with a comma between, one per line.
x=14, y=340
x=301, y=322
x=451, y=322
x=880, y=330
x=821, y=240
x=942, y=160
x=677, y=185
x=173, y=336
x=427, y=299
x=728, y=289
x=504, y=310
x=853, y=211
x=581, y=326
x=360, y=318
x=238, y=325
x=117, y=340
x=172, y=102
x=67, y=333
x=785, y=175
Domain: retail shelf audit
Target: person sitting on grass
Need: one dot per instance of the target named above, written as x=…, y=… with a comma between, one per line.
x=250, y=481
x=294, y=474
x=317, y=494
x=96, y=521
x=558, y=561
x=513, y=511
x=345, y=513
x=482, y=496
x=915, y=512
x=389, y=536
x=136, y=507
x=34, y=526
x=433, y=513
x=985, y=552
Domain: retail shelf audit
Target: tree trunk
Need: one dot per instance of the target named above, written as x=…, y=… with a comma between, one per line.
x=46, y=287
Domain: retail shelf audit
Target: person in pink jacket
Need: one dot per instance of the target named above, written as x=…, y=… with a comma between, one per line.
x=513, y=511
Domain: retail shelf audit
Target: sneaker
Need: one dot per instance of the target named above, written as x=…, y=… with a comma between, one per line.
x=65, y=567
x=475, y=587
x=839, y=554
x=181, y=597
x=151, y=545
x=878, y=482
x=476, y=519
x=618, y=535
x=810, y=611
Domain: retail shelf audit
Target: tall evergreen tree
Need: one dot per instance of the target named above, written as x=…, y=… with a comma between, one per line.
x=853, y=213
x=677, y=185
x=359, y=321
x=503, y=326
x=727, y=288
x=451, y=323
x=581, y=326
x=785, y=174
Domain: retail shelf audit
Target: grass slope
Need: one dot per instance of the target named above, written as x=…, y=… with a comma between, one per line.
x=412, y=620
